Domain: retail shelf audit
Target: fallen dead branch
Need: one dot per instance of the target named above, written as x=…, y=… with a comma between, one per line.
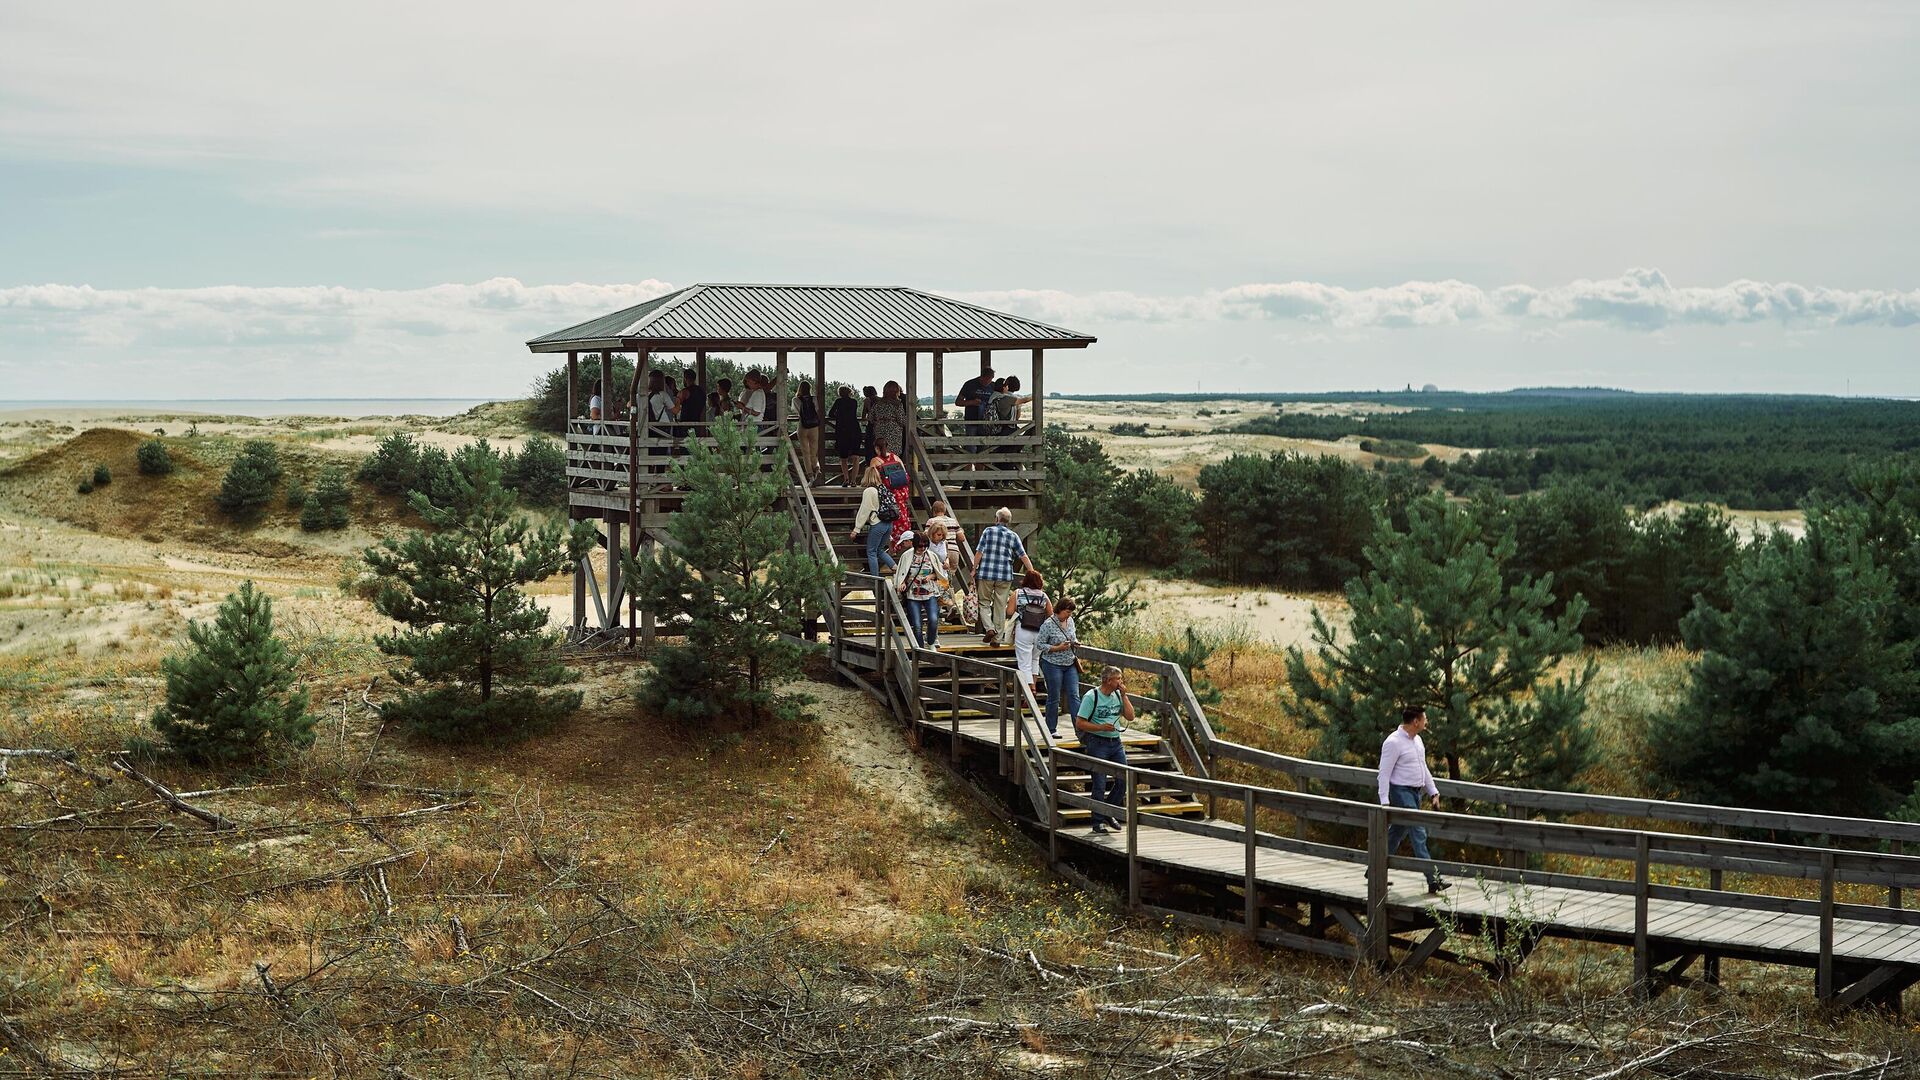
x=209, y=818
x=329, y=878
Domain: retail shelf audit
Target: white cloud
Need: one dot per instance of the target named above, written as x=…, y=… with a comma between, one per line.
x=240, y=315
x=503, y=311
x=1639, y=299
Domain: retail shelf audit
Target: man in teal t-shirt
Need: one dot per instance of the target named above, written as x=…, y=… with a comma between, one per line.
x=1098, y=722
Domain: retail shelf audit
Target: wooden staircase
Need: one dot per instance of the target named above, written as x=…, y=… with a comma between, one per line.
x=976, y=715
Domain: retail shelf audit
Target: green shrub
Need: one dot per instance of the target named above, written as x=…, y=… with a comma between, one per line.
x=230, y=696
x=296, y=493
x=250, y=482
x=538, y=473
x=394, y=466
x=85, y=488
x=326, y=508
x=102, y=476
x=153, y=458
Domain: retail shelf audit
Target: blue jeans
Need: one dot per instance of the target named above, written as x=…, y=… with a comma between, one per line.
x=877, y=538
x=924, y=617
x=1408, y=797
x=1063, y=684
x=1111, y=789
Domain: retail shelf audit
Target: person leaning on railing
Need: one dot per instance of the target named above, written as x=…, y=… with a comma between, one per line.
x=1059, y=662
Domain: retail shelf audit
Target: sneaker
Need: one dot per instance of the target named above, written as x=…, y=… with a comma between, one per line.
x=1435, y=888
x=1099, y=829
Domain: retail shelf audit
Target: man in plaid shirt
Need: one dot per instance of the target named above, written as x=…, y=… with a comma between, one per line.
x=993, y=573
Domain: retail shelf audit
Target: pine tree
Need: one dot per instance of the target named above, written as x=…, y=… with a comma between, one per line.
x=153, y=458
x=326, y=507
x=736, y=580
x=250, y=481
x=1801, y=698
x=1082, y=562
x=474, y=641
x=1436, y=624
x=230, y=696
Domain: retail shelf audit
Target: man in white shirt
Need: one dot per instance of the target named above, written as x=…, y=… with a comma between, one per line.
x=1404, y=779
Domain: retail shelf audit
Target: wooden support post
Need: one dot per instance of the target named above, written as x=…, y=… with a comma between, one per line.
x=820, y=394
x=1133, y=840
x=700, y=376
x=1000, y=688
x=636, y=417
x=1642, y=946
x=1053, y=813
x=913, y=406
x=1019, y=747
x=882, y=627
x=1893, y=891
x=1516, y=858
x=1716, y=878
x=939, y=388
x=606, y=386
x=1378, y=945
x=777, y=406
x=986, y=361
x=573, y=387
x=953, y=671
x=1039, y=391
x=580, y=571
x=1252, y=885
x=1823, y=987
x=615, y=570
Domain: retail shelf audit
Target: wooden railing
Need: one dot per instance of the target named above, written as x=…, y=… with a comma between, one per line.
x=602, y=453
x=1642, y=849
x=1001, y=454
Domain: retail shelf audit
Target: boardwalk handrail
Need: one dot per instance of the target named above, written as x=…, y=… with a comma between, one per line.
x=1644, y=849
x=1898, y=832
x=931, y=479
x=814, y=540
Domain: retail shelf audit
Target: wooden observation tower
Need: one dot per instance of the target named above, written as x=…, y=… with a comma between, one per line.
x=618, y=471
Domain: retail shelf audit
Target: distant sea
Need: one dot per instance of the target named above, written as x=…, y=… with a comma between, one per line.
x=348, y=407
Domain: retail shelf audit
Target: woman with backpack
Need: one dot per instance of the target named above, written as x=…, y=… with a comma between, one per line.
x=893, y=474
x=1059, y=663
x=921, y=579
x=1027, y=611
x=873, y=522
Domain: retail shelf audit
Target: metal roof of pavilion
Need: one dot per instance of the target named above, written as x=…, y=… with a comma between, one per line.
x=759, y=318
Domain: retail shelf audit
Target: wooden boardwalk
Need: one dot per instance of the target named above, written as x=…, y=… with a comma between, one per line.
x=1305, y=867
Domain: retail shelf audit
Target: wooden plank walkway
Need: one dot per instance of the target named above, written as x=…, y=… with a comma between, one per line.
x=1570, y=912
x=1183, y=858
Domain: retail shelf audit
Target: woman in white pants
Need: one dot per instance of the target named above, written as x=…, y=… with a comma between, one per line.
x=1028, y=608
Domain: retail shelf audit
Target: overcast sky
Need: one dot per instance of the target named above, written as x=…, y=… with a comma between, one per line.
x=348, y=199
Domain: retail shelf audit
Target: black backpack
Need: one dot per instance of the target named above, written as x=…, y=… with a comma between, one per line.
x=889, y=510
x=1033, y=614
